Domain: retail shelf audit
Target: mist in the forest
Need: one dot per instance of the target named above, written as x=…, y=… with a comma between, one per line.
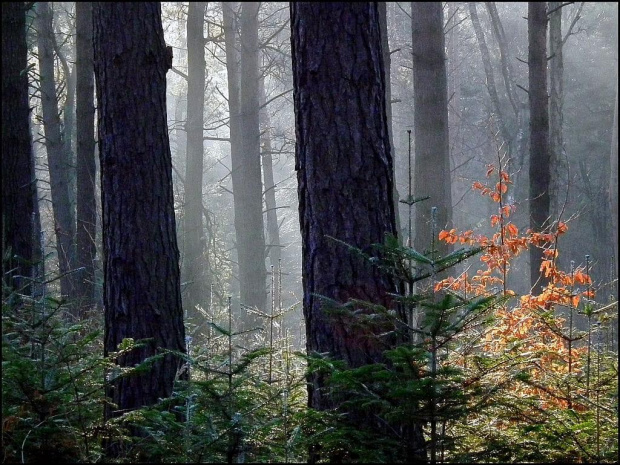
x=590, y=60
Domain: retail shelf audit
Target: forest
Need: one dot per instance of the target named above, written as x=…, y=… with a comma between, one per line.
x=310, y=232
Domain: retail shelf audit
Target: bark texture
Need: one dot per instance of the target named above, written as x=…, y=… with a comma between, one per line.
x=540, y=174
x=86, y=167
x=18, y=187
x=432, y=145
x=344, y=172
x=142, y=296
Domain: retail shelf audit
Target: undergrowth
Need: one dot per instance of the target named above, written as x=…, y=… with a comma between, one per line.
x=489, y=375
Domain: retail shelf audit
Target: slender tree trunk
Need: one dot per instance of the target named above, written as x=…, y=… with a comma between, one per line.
x=18, y=186
x=273, y=230
x=142, y=293
x=231, y=43
x=57, y=156
x=432, y=146
x=344, y=172
x=194, y=257
x=539, y=133
x=38, y=255
x=613, y=183
x=598, y=219
x=387, y=64
x=86, y=249
x=68, y=121
x=246, y=171
x=490, y=77
x=516, y=164
x=507, y=72
x=556, y=103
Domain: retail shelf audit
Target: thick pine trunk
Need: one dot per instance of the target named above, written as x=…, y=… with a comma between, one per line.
x=57, y=156
x=344, y=172
x=540, y=174
x=18, y=187
x=86, y=167
x=194, y=257
x=142, y=295
x=432, y=146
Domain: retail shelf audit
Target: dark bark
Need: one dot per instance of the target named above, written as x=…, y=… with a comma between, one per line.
x=345, y=176
x=57, y=156
x=86, y=215
x=18, y=187
x=539, y=172
x=432, y=157
x=273, y=230
x=142, y=295
x=194, y=256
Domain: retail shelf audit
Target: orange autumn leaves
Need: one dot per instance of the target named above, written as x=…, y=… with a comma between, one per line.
x=543, y=349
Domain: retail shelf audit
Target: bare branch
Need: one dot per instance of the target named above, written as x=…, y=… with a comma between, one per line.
x=180, y=73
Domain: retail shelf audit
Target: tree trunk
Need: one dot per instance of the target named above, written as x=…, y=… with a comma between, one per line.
x=142, y=294
x=507, y=72
x=387, y=65
x=231, y=44
x=246, y=175
x=18, y=186
x=273, y=230
x=539, y=132
x=516, y=163
x=86, y=249
x=613, y=183
x=517, y=130
x=556, y=103
x=344, y=172
x=196, y=292
x=432, y=157
x=490, y=77
x=57, y=156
